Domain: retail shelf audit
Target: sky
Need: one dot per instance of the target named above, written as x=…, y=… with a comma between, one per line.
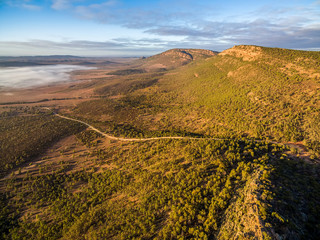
x=146, y=27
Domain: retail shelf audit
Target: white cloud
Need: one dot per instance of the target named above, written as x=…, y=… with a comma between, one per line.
x=292, y=26
x=79, y=44
x=31, y=7
x=22, y=4
x=70, y=4
x=125, y=47
x=61, y=4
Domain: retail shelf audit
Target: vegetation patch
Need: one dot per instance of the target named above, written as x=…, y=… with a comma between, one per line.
x=26, y=132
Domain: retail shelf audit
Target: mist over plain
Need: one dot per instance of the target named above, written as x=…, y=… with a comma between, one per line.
x=25, y=77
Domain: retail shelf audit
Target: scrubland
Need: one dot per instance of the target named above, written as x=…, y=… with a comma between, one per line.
x=259, y=181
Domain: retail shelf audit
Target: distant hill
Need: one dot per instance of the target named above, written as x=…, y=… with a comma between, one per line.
x=167, y=60
x=39, y=58
x=20, y=64
x=176, y=57
x=57, y=59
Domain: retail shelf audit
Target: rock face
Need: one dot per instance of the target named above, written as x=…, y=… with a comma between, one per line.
x=247, y=53
x=191, y=54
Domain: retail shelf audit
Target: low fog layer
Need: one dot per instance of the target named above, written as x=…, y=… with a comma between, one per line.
x=23, y=77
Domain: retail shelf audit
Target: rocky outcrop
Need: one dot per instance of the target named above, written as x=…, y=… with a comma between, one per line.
x=246, y=52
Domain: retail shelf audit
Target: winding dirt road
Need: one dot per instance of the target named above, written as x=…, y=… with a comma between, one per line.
x=303, y=151
x=131, y=139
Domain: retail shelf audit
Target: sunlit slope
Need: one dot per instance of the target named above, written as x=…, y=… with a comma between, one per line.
x=176, y=57
x=255, y=91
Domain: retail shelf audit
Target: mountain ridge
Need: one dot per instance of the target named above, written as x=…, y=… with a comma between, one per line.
x=177, y=57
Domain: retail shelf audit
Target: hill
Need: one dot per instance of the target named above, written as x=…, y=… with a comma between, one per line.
x=253, y=91
x=167, y=60
x=248, y=167
x=25, y=61
x=247, y=91
x=175, y=57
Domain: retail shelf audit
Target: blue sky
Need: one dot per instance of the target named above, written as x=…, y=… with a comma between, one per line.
x=142, y=28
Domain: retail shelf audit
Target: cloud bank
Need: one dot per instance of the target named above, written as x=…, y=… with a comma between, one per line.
x=297, y=26
x=163, y=24
x=24, y=77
